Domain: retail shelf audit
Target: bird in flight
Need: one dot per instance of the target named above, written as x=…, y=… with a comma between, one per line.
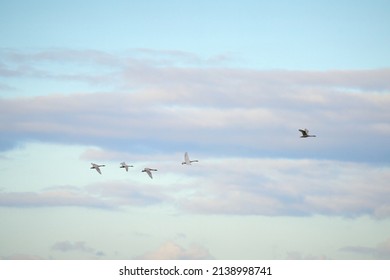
x=97, y=167
x=305, y=133
x=125, y=166
x=187, y=159
x=149, y=171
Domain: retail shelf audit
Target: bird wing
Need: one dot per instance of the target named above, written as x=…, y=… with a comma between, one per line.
x=149, y=173
x=98, y=169
x=125, y=166
x=187, y=158
x=304, y=131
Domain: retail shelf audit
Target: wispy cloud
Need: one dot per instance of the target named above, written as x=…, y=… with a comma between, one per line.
x=107, y=195
x=381, y=251
x=78, y=246
x=290, y=187
x=234, y=186
x=50, y=198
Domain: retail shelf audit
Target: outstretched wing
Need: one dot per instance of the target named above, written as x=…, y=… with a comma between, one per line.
x=125, y=166
x=186, y=158
x=149, y=173
x=98, y=169
x=304, y=132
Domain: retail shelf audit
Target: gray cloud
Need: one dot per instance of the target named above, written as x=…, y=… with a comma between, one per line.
x=78, y=246
x=259, y=114
x=51, y=198
x=381, y=251
x=289, y=187
x=107, y=195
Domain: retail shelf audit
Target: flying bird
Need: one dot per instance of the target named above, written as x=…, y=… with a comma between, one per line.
x=97, y=167
x=187, y=159
x=149, y=171
x=125, y=166
x=305, y=133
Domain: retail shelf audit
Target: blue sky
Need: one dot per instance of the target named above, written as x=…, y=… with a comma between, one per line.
x=231, y=82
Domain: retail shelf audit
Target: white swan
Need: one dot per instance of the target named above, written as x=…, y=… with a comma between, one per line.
x=305, y=133
x=97, y=167
x=125, y=166
x=149, y=171
x=187, y=159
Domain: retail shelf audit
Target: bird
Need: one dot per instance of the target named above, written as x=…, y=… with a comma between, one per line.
x=187, y=159
x=125, y=166
x=149, y=171
x=305, y=133
x=97, y=167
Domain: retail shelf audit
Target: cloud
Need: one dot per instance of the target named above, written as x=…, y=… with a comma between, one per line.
x=129, y=194
x=172, y=251
x=381, y=251
x=223, y=111
x=51, y=198
x=109, y=195
x=241, y=123
x=275, y=187
x=77, y=246
x=233, y=186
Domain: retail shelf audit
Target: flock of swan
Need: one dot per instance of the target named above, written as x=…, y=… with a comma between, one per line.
x=187, y=161
x=148, y=170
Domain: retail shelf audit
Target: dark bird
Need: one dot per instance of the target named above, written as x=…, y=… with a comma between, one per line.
x=305, y=133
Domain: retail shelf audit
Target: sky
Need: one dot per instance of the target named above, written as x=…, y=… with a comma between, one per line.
x=229, y=82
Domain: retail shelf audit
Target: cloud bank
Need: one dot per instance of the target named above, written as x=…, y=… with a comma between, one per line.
x=148, y=105
x=234, y=186
x=241, y=123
